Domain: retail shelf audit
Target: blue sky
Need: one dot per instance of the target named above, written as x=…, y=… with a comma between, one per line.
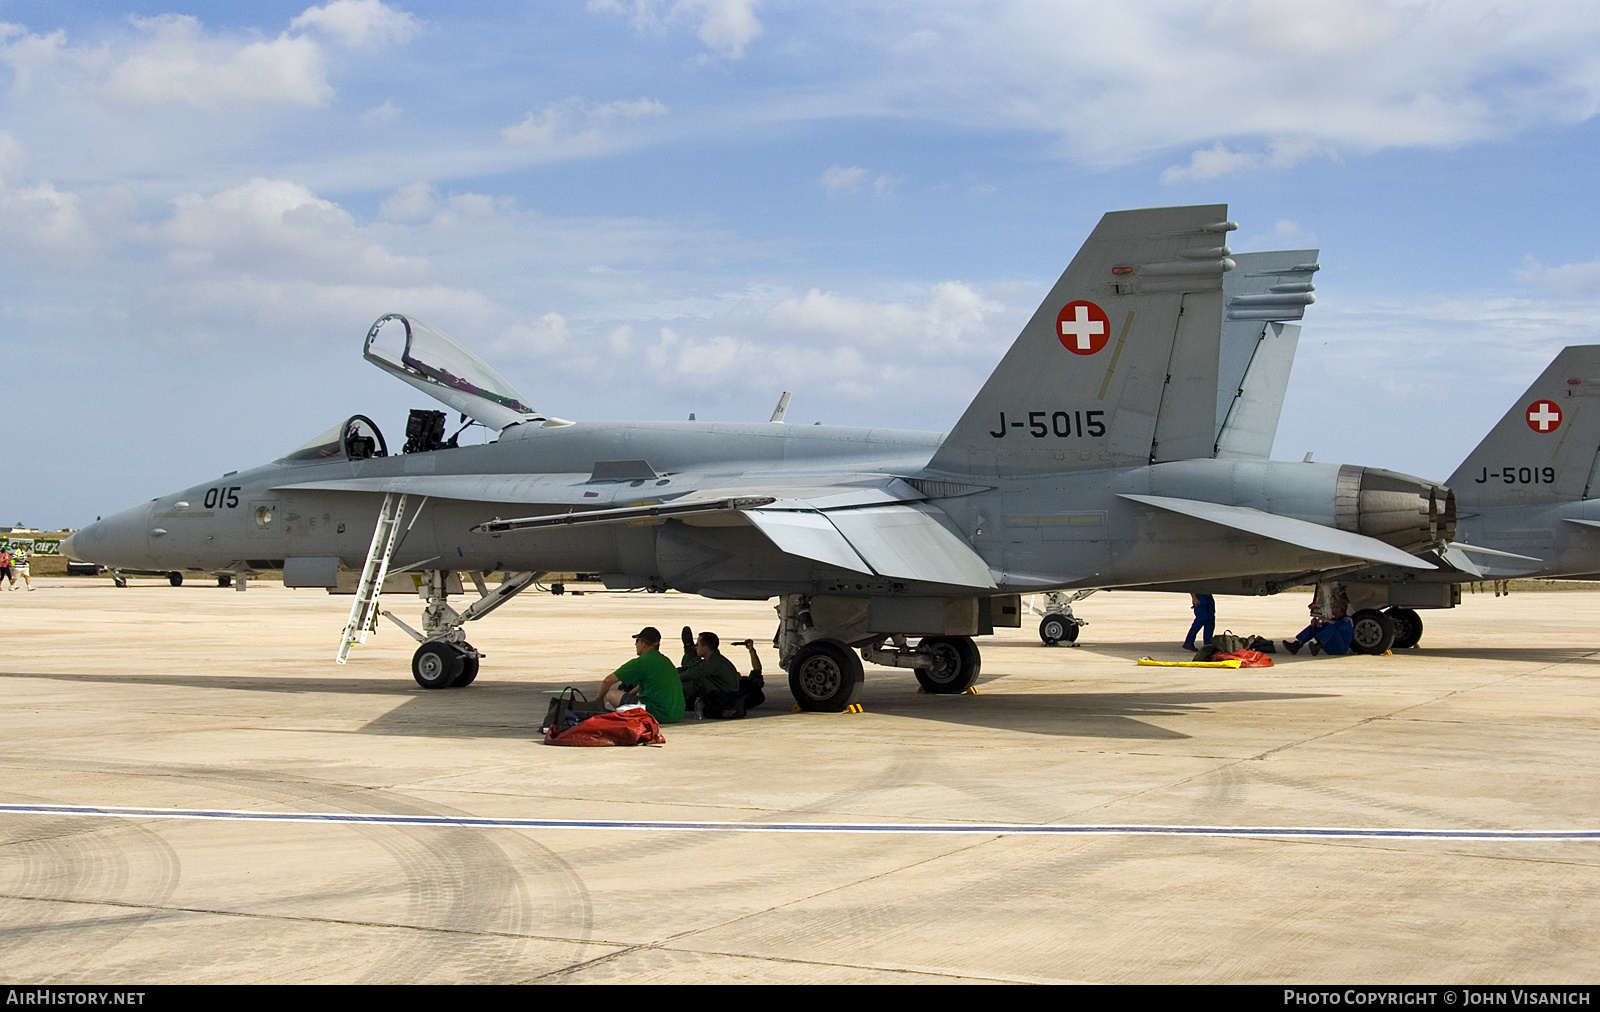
x=643, y=208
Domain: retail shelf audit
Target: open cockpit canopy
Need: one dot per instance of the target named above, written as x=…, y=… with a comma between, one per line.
x=355, y=438
x=429, y=360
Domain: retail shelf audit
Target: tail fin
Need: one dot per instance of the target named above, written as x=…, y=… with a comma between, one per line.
x=1129, y=335
x=1261, y=296
x=1544, y=449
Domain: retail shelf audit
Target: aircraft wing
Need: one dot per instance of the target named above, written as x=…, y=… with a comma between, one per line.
x=875, y=530
x=1317, y=538
x=899, y=541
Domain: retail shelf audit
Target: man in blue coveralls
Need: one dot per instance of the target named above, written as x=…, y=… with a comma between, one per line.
x=1205, y=618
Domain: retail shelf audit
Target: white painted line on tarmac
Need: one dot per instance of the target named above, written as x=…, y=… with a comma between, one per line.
x=883, y=828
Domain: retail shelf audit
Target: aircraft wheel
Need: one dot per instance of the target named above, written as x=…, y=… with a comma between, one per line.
x=469, y=668
x=224, y=579
x=436, y=665
x=1055, y=628
x=1407, y=627
x=956, y=664
x=1374, y=632
x=119, y=581
x=175, y=578
x=825, y=676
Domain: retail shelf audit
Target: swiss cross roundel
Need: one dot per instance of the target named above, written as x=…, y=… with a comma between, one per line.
x=1544, y=416
x=1083, y=327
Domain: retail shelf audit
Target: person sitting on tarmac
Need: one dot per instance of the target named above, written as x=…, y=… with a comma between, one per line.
x=1331, y=630
x=704, y=670
x=649, y=679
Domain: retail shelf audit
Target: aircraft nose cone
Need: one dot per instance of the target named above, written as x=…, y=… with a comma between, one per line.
x=119, y=541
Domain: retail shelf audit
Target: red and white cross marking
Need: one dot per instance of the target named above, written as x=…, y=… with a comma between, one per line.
x=1544, y=416
x=1083, y=327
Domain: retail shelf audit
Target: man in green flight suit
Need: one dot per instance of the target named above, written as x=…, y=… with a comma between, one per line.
x=649, y=679
x=704, y=669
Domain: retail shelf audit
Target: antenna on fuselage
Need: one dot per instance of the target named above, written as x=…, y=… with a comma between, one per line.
x=782, y=408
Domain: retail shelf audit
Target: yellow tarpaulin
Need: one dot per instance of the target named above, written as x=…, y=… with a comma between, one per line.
x=1188, y=664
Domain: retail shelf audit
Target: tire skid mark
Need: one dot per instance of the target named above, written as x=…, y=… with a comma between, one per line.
x=462, y=881
x=73, y=860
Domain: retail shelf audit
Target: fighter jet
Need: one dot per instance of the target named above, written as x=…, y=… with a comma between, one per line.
x=1527, y=505
x=1088, y=459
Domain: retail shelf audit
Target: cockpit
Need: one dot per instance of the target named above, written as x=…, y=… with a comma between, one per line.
x=431, y=361
x=355, y=438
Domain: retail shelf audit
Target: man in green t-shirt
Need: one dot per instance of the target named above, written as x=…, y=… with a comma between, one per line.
x=649, y=678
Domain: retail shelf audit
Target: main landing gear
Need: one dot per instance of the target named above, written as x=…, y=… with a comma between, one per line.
x=825, y=673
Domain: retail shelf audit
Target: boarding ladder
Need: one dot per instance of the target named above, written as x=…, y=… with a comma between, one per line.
x=364, y=610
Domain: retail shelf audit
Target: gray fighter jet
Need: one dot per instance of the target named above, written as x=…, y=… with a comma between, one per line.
x=1090, y=458
x=1527, y=505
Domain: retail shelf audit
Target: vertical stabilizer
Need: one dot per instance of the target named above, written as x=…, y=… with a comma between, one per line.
x=1544, y=448
x=1262, y=295
x=1084, y=383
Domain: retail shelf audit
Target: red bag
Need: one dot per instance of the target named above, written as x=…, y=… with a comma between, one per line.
x=1246, y=658
x=623, y=727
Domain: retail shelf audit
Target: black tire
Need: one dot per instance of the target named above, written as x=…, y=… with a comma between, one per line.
x=1374, y=632
x=1072, y=632
x=1055, y=628
x=1407, y=628
x=119, y=581
x=175, y=578
x=437, y=665
x=825, y=676
x=957, y=667
x=224, y=579
x=469, y=669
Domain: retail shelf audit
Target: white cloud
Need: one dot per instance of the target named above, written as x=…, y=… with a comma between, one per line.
x=276, y=228
x=628, y=110
x=725, y=26
x=412, y=202
x=1567, y=279
x=837, y=179
x=537, y=127
x=571, y=127
x=1209, y=163
x=378, y=115
x=1117, y=82
x=173, y=60
x=360, y=22
x=546, y=336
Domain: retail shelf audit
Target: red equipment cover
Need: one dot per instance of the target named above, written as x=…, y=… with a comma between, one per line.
x=1246, y=658
x=624, y=727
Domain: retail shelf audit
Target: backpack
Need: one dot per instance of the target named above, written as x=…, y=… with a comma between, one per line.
x=1228, y=642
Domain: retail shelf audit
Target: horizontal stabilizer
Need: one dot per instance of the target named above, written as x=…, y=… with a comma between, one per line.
x=900, y=542
x=1505, y=555
x=1317, y=538
x=1574, y=520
